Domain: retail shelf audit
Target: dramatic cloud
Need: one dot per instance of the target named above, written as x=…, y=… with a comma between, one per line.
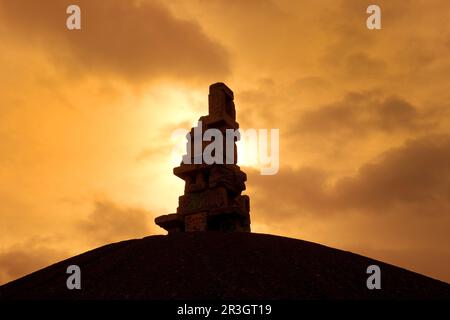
x=19, y=260
x=137, y=40
x=110, y=222
x=413, y=178
x=361, y=113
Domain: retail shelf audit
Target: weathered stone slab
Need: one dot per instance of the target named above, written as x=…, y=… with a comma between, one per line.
x=221, y=101
x=230, y=177
x=196, y=222
x=171, y=222
x=202, y=201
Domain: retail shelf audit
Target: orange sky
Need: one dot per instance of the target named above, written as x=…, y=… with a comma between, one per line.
x=86, y=118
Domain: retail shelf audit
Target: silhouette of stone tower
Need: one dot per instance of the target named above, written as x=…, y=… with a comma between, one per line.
x=212, y=199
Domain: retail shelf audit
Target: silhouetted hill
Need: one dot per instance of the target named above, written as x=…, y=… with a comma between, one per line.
x=208, y=265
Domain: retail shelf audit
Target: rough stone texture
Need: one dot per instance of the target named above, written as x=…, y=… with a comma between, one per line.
x=214, y=190
x=196, y=222
x=217, y=265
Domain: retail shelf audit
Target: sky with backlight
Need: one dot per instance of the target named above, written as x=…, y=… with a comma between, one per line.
x=86, y=119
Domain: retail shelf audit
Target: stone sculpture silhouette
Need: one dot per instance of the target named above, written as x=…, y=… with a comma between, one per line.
x=212, y=199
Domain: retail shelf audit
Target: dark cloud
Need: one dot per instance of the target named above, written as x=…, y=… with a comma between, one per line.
x=313, y=83
x=414, y=178
x=25, y=258
x=416, y=175
x=288, y=194
x=136, y=40
x=363, y=113
x=260, y=107
x=360, y=64
x=109, y=222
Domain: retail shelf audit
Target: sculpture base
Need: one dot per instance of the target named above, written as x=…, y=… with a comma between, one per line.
x=225, y=220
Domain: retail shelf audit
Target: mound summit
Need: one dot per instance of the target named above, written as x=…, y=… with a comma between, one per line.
x=218, y=265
